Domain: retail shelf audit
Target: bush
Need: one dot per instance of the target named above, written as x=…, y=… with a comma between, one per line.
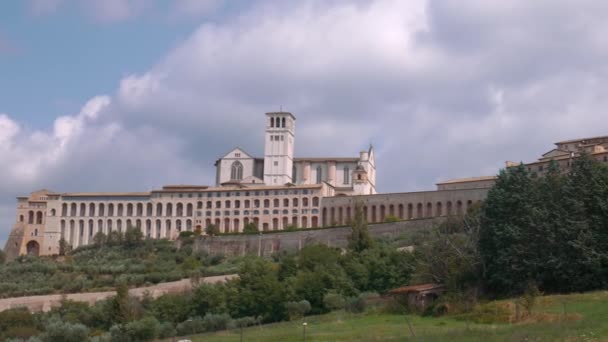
x=143, y=330
x=355, y=304
x=213, y=322
x=57, y=331
x=334, y=301
x=297, y=309
x=166, y=330
x=191, y=326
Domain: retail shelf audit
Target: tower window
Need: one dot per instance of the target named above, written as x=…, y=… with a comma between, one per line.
x=271, y=122
x=319, y=175
x=236, y=171
x=237, y=155
x=276, y=163
x=346, y=175
x=283, y=124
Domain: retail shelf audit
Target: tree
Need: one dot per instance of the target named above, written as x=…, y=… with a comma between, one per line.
x=100, y=239
x=212, y=230
x=258, y=292
x=2, y=257
x=250, y=228
x=64, y=247
x=57, y=331
x=359, y=239
x=133, y=237
x=297, y=310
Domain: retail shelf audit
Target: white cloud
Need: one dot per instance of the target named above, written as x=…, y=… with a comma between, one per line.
x=441, y=88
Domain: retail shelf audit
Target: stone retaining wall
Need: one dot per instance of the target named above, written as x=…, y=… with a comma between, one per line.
x=267, y=244
x=46, y=302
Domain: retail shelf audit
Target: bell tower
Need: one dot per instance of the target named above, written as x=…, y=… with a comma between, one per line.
x=278, y=148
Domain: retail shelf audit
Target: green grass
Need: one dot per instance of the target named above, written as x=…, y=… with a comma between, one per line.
x=590, y=309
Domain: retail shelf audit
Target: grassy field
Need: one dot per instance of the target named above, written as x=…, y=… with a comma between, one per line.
x=586, y=319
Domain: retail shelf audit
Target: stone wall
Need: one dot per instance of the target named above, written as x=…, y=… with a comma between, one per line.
x=13, y=243
x=45, y=303
x=267, y=244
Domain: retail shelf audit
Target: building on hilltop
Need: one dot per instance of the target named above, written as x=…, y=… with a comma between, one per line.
x=275, y=192
x=346, y=176
x=566, y=151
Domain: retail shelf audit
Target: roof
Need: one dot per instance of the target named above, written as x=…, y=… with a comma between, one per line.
x=111, y=194
x=322, y=159
x=582, y=139
x=281, y=113
x=417, y=288
x=467, y=180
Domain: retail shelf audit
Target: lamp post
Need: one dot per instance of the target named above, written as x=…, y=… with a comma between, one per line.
x=304, y=330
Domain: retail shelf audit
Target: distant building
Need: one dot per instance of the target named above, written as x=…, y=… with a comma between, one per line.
x=566, y=151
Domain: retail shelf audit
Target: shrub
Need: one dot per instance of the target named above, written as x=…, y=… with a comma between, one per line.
x=213, y=322
x=166, y=330
x=57, y=331
x=334, y=301
x=355, y=304
x=297, y=309
x=191, y=326
x=143, y=330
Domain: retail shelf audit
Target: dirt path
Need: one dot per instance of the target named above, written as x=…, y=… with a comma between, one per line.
x=46, y=302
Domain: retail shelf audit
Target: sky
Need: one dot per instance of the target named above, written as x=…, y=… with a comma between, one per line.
x=129, y=95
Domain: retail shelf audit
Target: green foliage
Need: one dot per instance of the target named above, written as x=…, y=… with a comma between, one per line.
x=297, y=310
x=360, y=239
x=133, y=237
x=172, y=308
x=334, y=301
x=550, y=230
x=2, y=257
x=209, y=299
x=391, y=219
x=355, y=304
x=212, y=230
x=191, y=326
x=57, y=331
x=258, y=292
x=100, y=239
x=449, y=254
x=17, y=323
x=250, y=228
x=95, y=268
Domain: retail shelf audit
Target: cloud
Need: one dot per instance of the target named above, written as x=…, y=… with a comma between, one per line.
x=441, y=88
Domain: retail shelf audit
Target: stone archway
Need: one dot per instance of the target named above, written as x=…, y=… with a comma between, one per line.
x=33, y=248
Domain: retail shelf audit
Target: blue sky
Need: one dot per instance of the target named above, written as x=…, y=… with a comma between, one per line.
x=56, y=60
x=129, y=95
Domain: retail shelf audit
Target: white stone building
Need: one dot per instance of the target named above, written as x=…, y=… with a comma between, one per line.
x=279, y=166
x=273, y=192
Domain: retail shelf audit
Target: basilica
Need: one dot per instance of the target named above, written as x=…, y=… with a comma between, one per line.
x=275, y=192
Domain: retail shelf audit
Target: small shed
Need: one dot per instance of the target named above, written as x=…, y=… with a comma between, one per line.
x=419, y=297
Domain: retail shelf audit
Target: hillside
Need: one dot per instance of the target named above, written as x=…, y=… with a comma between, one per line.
x=101, y=268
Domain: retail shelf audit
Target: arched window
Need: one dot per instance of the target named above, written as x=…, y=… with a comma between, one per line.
x=236, y=171
x=283, y=123
x=140, y=209
x=64, y=210
x=30, y=217
x=271, y=122
x=346, y=175
x=111, y=209
x=319, y=175
x=39, y=217
x=91, y=209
